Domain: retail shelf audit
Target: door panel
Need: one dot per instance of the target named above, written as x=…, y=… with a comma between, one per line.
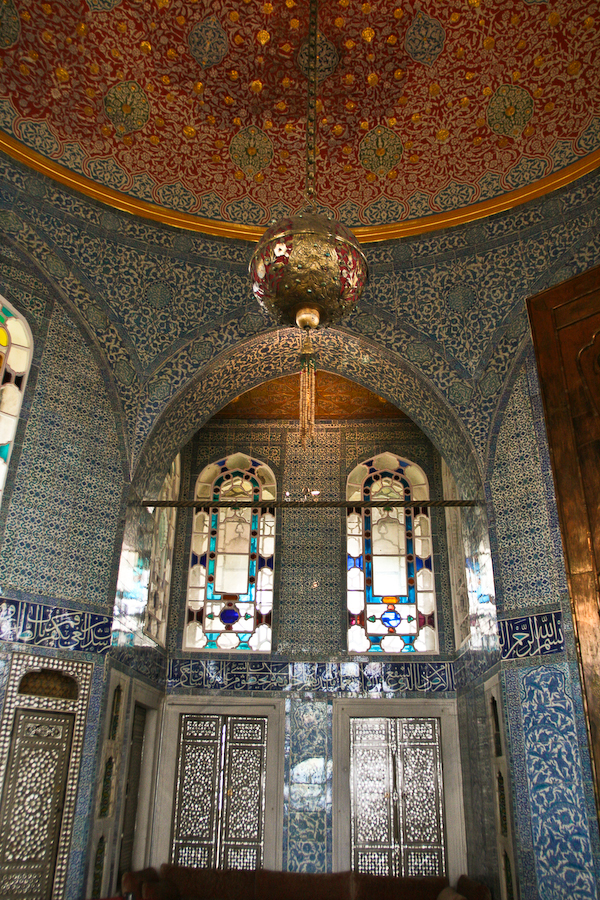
x=396, y=797
x=32, y=803
x=220, y=792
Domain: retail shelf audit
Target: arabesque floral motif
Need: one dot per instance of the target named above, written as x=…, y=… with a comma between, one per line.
x=251, y=150
x=425, y=39
x=127, y=107
x=380, y=150
x=510, y=109
x=327, y=58
x=10, y=24
x=208, y=42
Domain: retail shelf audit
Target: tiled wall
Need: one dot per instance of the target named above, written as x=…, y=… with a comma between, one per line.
x=550, y=766
x=450, y=368
x=63, y=515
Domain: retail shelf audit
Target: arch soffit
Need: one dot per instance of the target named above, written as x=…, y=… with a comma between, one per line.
x=274, y=354
x=38, y=333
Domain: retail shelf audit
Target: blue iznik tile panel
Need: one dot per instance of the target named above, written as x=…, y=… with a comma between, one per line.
x=534, y=635
x=54, y=627
x=555, y=817
x=393, y=680
x=529, y=571
x=311, y=588
x=64, y=511
x=307, y=798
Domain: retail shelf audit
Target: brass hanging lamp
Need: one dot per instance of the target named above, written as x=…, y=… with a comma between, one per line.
x=308, y=270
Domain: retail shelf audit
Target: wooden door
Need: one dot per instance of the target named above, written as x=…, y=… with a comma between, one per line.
x=565, y=323
x=32, y=803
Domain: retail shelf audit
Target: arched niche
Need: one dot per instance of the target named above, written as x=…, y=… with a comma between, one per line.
x=276, y=353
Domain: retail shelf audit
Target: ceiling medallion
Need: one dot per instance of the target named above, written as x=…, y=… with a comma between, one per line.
x=308, y=270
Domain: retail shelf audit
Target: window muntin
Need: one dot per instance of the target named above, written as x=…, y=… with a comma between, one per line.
x=390, y=583
x=230, y=582
x=161, y=564
x=16, y=347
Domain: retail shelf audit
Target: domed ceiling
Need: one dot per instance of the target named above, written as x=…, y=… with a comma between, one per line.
x=194, y=111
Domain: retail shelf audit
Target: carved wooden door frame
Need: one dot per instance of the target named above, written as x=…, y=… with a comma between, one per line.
x=565, y=323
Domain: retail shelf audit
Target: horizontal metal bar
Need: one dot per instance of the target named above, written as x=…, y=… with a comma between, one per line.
x=303, y=504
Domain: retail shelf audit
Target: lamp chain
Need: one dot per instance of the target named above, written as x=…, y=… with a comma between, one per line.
x=311, y=108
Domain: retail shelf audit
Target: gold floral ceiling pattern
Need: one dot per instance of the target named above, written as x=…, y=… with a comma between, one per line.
x=199, y=106
x=336, y=399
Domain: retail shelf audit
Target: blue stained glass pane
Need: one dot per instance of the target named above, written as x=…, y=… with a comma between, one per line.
x=213, y=544
x=411, y=593
x=375, y=641
x=244, y=638
x=423, y=563
x=229, y=615
x=367, y=545
x=368, y=567
x=369, y=593
x=253, y=545
x=403, y=600
x=252, y=570
x=254, y=522
x=4, y=451
x=212, y=641
x=203, y=560
x=265, y=561
x=355, y=562
x=408, y=643
x=194, y=559
x=210, y=592
x=400, y=470
x=221, y=462
x=376, y=599
x=214, y=520
x=255, y=462
x=391, y=619
x=409, y=545
x=211, y=567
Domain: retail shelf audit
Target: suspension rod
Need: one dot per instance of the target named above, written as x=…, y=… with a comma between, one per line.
x=303, y=504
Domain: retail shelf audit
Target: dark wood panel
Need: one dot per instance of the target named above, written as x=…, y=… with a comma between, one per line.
x=565, y=324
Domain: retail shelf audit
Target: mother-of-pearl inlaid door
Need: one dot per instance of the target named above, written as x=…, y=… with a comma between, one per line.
x=32, y=805
x=396, y=797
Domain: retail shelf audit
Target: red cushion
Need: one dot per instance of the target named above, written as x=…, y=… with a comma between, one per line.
x=387, y=887
x=302, y=885
x=212, y=884
x=473, y=890
x=132, y=882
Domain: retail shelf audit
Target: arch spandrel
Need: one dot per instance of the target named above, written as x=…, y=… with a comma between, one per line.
x=274, y=354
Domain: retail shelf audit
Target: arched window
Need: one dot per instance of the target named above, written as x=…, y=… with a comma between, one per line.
x=391, y=594
x=161, y=561
x=230, y=583
x=16, y=347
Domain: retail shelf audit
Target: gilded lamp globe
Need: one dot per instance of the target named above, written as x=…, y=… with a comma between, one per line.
x=308, y=271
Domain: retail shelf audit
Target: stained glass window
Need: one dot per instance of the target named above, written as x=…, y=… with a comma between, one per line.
x=16, y=348
x=230, y=582
x=390, y=583
x=163, y=541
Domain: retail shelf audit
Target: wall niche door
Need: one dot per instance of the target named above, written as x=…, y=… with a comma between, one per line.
x=32, y=803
